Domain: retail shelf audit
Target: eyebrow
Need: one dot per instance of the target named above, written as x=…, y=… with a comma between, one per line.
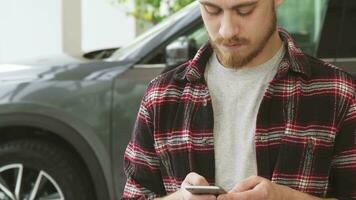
x=238, y=6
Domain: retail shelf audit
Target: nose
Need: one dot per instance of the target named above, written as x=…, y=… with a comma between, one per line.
x=228, y=26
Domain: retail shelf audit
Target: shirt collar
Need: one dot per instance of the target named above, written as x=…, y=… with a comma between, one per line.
x=294, y=60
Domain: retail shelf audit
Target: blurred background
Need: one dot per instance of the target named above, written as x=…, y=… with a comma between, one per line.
x=35, y=29
x=41, y=28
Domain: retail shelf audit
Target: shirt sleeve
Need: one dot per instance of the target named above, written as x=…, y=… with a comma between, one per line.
x=343, y=167
x=141, y=163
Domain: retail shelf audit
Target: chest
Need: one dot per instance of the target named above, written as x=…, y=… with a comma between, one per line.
x=294, y=133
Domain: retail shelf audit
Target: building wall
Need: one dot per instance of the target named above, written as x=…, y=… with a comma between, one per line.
x=29, y=28
x=105, y=25
x=40, y=28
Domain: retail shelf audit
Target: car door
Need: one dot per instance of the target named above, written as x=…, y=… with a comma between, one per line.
x=129, y=89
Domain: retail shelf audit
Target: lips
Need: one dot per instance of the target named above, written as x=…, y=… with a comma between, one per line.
x=232, y=45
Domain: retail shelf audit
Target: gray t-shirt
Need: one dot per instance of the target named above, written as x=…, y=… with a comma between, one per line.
x=236, y=96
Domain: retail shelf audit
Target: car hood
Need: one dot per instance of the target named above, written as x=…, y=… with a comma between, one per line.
x=62, y=68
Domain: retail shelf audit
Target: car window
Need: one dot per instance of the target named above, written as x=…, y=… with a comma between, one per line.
x=200, y=36
x=303, y=19
x=197, y=36
x=142, y=40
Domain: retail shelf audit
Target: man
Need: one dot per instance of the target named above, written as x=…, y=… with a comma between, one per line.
x=250, y=113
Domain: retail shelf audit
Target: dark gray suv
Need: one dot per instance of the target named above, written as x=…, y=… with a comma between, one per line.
x=64, y=125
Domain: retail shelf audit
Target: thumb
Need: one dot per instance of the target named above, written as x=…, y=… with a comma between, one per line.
x=195, y=179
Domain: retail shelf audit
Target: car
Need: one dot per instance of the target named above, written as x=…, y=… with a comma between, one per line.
x=65, y=123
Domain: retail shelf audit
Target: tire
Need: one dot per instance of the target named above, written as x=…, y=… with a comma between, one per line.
x=46, y=171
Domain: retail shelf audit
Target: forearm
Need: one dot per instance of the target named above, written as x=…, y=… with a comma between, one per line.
x=292, y=194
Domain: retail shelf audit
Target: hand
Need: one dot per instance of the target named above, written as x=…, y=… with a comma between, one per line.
x=194, y=179
x=183, y=194
x=256, y=188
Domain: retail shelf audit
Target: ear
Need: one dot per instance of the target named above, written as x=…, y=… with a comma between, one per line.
x=278, y=2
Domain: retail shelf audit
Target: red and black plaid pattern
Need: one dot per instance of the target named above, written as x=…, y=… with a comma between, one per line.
x=305, y=137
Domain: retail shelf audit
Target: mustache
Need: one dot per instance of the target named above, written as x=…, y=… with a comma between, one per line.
x=232, y=40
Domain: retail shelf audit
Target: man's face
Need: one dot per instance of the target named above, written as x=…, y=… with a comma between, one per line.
x=239, y=30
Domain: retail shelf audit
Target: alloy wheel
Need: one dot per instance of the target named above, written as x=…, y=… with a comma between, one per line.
x=18, y=182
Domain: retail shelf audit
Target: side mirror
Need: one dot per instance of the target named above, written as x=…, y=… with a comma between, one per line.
x=180, y=51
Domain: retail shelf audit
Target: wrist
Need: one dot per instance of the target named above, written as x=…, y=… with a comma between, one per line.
x=285, y=193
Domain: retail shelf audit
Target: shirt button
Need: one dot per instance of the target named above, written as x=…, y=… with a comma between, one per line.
x=205, y=103
x=205, y=141
x=263, y=138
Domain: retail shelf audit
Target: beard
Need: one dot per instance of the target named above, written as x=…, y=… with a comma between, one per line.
x=235, y=59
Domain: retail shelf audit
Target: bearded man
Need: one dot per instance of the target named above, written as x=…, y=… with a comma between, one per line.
x=250, y=113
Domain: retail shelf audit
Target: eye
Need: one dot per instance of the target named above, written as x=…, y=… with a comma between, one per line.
x=244, y=11
x=212, y=10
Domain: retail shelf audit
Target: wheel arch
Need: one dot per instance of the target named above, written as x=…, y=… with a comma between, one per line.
x=72, y=134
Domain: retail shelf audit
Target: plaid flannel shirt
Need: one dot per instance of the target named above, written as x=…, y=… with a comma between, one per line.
x=305, y=133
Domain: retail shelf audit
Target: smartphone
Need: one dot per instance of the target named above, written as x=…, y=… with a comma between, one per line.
x=195, y=189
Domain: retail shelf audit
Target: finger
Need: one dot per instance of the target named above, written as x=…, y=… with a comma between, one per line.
x=190, y=196
x=224, y=197
x=204, y=197
x=201, y=197
x=247, y=184
x=249, y=194
x=195, y=179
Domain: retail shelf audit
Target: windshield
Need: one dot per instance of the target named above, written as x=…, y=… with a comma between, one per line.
x=126, y=51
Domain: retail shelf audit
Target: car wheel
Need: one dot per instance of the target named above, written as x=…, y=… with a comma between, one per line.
x=39, y=170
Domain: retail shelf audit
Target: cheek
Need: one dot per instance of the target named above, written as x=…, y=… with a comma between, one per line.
x=258, y=25
x=212, y=26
